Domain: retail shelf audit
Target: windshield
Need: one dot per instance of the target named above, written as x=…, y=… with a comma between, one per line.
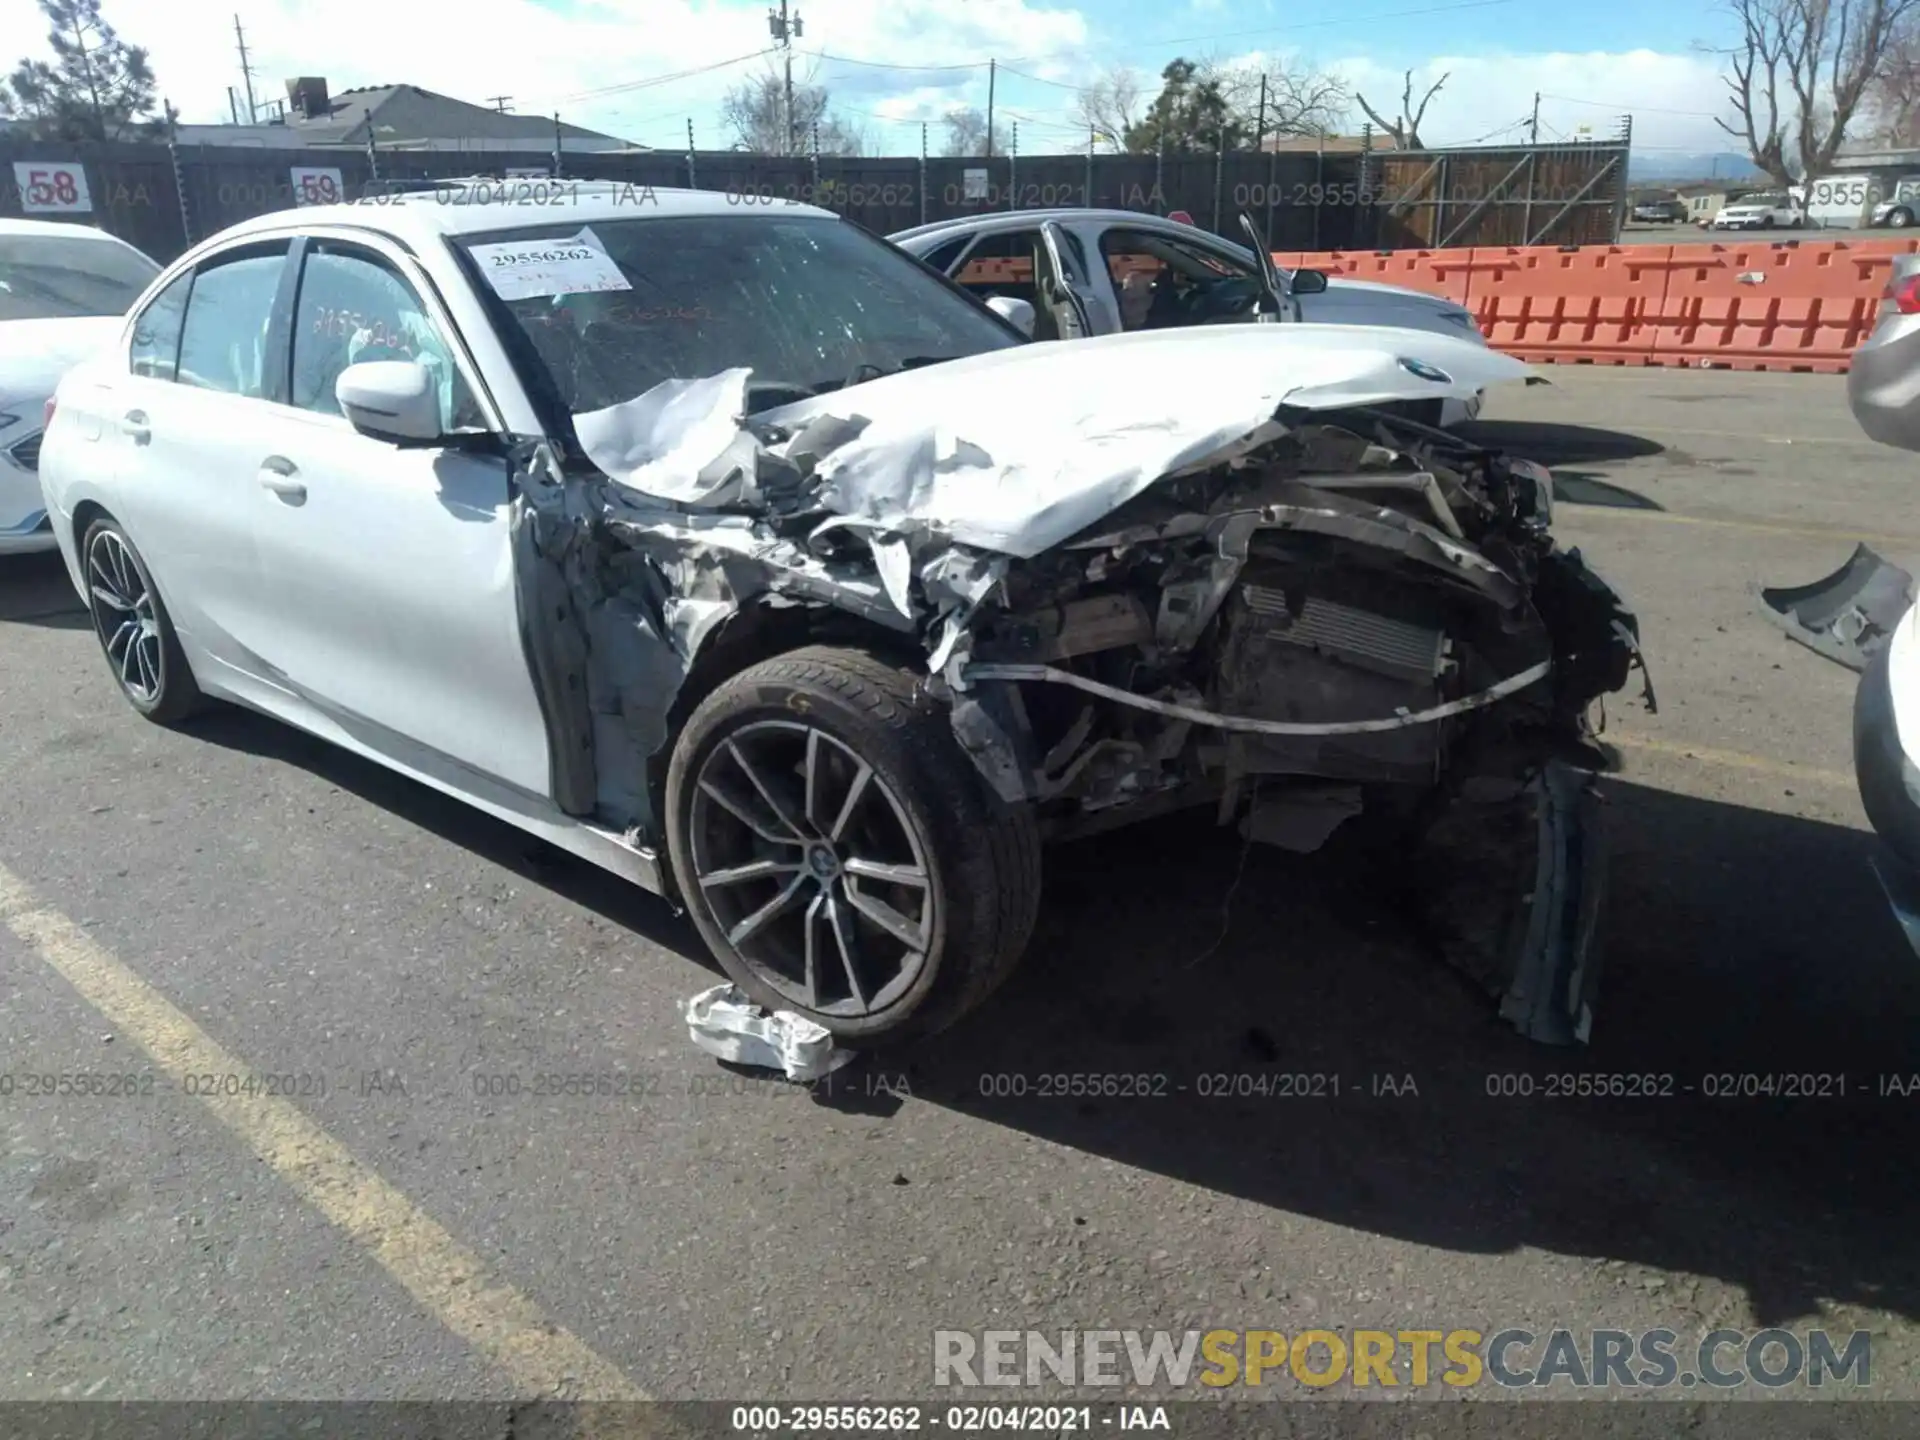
x=45, y=277
x=809, y=304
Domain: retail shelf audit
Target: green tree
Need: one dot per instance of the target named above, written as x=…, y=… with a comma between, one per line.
x=97, y=86
x=1191, y=112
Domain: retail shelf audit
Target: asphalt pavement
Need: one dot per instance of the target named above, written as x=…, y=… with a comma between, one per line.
x=410, y=1210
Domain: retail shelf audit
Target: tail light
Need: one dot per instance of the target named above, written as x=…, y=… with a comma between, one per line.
x=1905, y=294
x=46, y=415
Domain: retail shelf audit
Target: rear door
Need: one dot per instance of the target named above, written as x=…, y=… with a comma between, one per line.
x=185, y=427
x=387, y=570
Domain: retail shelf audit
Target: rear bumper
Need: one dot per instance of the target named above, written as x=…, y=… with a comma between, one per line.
x=1883, y=384
x=1890, y=793
x=27, y=534
x=1889, y=781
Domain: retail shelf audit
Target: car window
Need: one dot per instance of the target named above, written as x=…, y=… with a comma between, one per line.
x=941, y=257
x=807, y=303
x=155, y=352
x=1002, y=264
x=44, y=277
x=353, y=306
x=223, y=343
x=1161, y=281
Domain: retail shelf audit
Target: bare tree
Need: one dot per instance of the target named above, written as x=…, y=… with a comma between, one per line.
x=1406, y=130
x=967, y=134
x=1800, y=73
x=1113, y=104
x=1893, y=95
x=1299, y=99
x=755, y=112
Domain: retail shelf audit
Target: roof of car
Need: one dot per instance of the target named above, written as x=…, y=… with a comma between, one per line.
x=1020, y=219
x=67, y=228
x=463, y=207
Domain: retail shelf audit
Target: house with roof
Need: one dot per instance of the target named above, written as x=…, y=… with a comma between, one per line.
x=396, y=117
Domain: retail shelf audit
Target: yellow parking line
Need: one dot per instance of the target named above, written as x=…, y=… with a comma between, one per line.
x=1583, y=509
x=448, y=1279
x=1732, y=760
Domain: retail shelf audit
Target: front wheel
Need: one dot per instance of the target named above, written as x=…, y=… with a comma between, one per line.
x=840, y=854
x=1900, y=219
x=134, y=630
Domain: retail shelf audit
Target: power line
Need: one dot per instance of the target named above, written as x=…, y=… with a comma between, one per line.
x=1038, y=79
x=1162, y=41
x=1622, y=109
x=628, y=86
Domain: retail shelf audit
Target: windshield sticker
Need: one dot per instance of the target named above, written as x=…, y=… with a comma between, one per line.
x=524, y=269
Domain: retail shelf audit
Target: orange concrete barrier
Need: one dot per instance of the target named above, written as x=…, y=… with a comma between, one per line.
x=1772, y=307
x=1437, y=272
x=1585, y=305
x=1780, y=305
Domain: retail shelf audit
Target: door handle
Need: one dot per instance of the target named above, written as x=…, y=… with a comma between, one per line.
x=135, y=427
x=277, y=474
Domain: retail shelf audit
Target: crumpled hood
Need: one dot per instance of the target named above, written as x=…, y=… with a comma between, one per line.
x=34, y=354
x=1019, y=449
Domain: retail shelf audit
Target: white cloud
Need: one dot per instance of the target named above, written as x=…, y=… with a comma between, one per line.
x=547, y=60
x=1672, y=97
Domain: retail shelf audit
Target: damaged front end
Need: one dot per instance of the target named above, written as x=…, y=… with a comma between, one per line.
x=1324, y=612
x=1362, y=616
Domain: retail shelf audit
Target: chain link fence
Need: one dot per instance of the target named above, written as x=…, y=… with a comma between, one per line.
x=164, y=198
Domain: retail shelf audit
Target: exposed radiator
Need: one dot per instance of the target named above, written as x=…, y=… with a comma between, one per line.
x=1358, y=637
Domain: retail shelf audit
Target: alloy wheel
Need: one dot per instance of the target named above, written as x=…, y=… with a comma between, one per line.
x=125, y=618
x=812, y=868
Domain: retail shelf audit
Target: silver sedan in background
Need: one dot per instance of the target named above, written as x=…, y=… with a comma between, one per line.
x=1134, y=271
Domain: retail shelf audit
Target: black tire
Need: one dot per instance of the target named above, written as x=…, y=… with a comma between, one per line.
x=980, y=858
x=1901, y=218
x=150, y=667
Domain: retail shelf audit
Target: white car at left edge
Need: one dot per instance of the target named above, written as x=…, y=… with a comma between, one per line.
x=65, y=290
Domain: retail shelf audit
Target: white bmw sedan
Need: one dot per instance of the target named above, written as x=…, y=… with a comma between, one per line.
x=745, y=555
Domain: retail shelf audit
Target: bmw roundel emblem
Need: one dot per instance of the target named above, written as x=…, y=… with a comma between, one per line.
x=1425, y=371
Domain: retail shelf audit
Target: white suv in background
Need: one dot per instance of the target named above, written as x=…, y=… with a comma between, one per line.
x=63, y=291
x=1769, y=211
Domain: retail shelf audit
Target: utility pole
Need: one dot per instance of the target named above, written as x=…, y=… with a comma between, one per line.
x=233, y=105
x=992, y=65
x=1533, y=126
x=500, y=102
x=246, y=72
x=786, y=27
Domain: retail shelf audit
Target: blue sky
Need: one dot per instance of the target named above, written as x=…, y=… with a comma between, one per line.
x=642, y=68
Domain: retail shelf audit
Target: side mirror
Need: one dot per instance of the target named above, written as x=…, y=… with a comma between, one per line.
x=1015, y=311
x=1309, y=282
x=390, y=400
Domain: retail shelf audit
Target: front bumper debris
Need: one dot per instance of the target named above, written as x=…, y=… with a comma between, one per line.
x=1847, y=617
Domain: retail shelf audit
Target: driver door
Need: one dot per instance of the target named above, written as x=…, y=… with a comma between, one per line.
x=1060, y=289
x=388, y=569
x=1160, y=280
